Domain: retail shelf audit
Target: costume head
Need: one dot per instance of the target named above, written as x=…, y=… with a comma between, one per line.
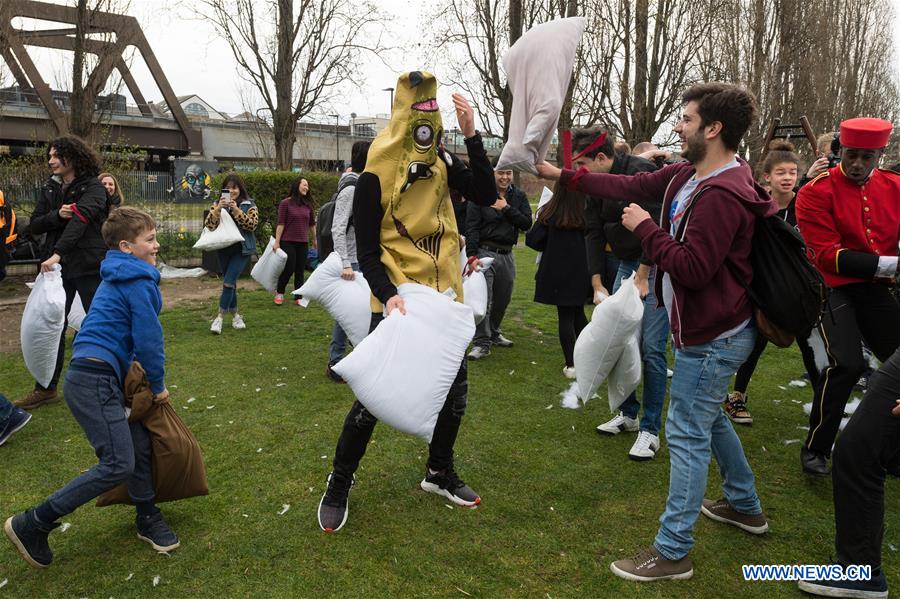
x=418, y=232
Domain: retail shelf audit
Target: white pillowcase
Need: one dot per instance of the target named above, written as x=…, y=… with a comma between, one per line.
x=403, y=370
x=348, y=302
x=269, y=266
x=42, y=324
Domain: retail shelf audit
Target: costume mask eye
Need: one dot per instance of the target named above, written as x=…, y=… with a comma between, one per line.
x=423, y=135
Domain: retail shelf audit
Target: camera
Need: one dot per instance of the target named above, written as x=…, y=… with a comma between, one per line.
x=834, y=156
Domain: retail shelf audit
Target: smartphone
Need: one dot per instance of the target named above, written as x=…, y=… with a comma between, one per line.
x=224, y=195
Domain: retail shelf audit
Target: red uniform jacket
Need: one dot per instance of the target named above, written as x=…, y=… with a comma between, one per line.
x=835, y=214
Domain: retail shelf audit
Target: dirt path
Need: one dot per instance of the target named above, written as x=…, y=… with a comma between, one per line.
x=14, y=293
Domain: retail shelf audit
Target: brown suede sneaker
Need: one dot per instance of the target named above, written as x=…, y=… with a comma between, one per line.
x=721, y=511
x=37, y=398
x=648, y=565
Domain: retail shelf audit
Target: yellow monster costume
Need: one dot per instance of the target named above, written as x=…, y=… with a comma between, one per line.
x=419, y=236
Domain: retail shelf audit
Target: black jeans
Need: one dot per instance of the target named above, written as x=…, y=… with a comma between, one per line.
x=862, y=311
x=742, y=378
x=869, y=444
x=359, y=424
x=296, y=261
x=86, y=287
x=571, y=320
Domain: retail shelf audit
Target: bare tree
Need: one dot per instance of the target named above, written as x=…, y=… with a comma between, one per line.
x=296, y=53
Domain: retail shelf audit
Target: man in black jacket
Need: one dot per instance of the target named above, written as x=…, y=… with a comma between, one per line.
x=605, y=233
x=492, y=232
x=69, y=213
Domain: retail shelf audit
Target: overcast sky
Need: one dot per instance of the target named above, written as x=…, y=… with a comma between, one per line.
x=198, y=61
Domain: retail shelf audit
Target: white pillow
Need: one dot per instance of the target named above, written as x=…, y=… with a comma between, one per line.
x=348, y=302
x=269, y=266
x=76, y=313
x=42, y=324
x=626, y=374
x=224, y=235
x=403, y=370
x=600, y=344
x=475, y=294
x=538, y=69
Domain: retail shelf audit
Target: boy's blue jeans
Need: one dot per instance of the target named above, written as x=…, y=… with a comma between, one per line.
x=232, y=262
x=654, y=335
x=6, y=410
x=97, y=403
x=696, y=427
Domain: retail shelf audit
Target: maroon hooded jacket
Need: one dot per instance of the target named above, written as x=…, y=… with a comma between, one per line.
x=708, y=260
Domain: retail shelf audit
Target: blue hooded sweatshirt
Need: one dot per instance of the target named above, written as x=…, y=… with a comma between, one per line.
x=123, y=322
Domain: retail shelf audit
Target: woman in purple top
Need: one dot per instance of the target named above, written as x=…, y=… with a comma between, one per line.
x=295, y=231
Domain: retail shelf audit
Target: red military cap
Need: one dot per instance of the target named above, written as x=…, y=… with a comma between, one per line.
x=865, y=133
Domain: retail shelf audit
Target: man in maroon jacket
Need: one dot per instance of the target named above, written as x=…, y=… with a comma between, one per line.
x=702, y=246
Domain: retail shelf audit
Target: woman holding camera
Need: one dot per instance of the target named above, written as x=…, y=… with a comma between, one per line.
x=233, y=259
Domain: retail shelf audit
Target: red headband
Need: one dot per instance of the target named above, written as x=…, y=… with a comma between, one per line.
x=594, y=145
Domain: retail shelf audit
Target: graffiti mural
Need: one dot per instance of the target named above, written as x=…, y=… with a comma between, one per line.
x=194, y=179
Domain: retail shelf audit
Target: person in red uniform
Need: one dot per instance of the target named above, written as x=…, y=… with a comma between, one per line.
x=850, y=219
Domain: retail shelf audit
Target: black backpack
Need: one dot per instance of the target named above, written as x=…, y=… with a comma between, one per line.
x=787, y=291
x=324, y=240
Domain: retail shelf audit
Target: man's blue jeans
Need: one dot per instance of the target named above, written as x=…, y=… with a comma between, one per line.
x=338, y=336
x=96, y=401
x=6, y=410
x=654, y=335
x=695, y=425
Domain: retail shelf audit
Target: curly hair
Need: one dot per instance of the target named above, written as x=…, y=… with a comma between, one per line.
x=731, y=105
x=75, y=152
x=780, y=151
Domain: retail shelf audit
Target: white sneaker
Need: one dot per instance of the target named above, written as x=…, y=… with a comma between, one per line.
x=569, y=372
x=216, y=326
x=669, y=373
x=645, y=447
x=238, y=322
x=619, y=424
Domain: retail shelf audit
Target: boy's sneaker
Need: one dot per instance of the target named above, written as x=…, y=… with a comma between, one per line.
x=619, y=424
x=447, y=483
x=238, y=322
x=478, y=352
x=721, y=511
x=736, y=408
x=501, y=341
x=279, y=299
x=648, y=565
x=216, y=326
x=645, y=447
x=875, y=587
x=569, y=372
x=37, y=398
x=30, y=538
x=17, y=420
x=333, y=508
x=154, y=530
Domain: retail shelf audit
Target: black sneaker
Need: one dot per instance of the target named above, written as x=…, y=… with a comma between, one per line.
x=17, y=420
x=331, y=374
x=448, y=484
x=333, y=509
x=876, y=587
x=154, y=530
x=30, y=537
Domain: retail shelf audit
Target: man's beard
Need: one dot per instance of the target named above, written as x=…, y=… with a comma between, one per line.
x=696, y=150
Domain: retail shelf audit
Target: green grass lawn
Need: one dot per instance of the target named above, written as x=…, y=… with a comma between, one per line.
x=559, y=501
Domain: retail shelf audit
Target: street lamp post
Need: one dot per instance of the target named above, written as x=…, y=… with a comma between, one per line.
x=390, y=89
x=337, y=142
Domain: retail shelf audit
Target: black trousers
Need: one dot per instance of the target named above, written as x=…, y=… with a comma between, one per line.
x=85, y=286
x=296, y=261
x=862, y=311
x=742, y=378
x=869, y=444
x=571, y=320
x=359, y=424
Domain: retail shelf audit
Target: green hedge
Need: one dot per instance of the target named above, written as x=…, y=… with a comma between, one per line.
x=268, y=188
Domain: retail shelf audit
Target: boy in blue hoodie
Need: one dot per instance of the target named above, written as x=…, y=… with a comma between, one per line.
x=121, y=326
